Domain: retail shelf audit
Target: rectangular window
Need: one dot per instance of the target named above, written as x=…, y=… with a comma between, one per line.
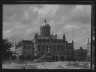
x=61, y=47
x=39, y=48
x=42, y=47
x=46, y=47
x=50, y=47
x=54, y=48
x=58, y=47
x=24, y=47
x=28, y=47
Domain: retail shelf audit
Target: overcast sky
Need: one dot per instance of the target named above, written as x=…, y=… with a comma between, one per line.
x=23, y=21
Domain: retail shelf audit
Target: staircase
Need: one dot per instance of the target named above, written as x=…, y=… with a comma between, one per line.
x=41, y=58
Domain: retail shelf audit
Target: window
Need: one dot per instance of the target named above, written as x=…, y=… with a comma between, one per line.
x=29, y=47
x=39, y=48
x=42, y=47
x=54, y=48
x=46, y=47
x=50, y=47
x=61, y=47
x=24, y=47
x=58, y=47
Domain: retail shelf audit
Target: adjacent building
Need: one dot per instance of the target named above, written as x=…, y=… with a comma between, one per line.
x=80, y=54
x=89, y=50
x=25, y=48
x=93, y=44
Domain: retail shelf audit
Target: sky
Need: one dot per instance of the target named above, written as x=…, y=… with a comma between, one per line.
x=22, y=21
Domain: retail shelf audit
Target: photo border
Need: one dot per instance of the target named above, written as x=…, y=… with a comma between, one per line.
x=86, y=2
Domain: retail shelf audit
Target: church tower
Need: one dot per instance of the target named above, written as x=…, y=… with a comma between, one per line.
x=45, y=29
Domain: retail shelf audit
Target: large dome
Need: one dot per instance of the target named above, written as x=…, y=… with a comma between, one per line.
x=45, y=24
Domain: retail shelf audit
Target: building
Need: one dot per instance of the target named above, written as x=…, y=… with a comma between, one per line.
x=58, y=49
x=89, y=50
x=25, y=48
x=93, y=46
x=93, y=43
x=80, y=54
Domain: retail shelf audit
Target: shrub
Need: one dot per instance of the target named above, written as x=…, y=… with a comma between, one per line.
x=13, y=57
x=28, y=57
x=21, y=57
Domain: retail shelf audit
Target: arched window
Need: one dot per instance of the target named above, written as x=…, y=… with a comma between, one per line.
x=39, y=48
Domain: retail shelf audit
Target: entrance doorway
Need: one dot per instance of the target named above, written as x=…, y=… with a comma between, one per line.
x=55, y=58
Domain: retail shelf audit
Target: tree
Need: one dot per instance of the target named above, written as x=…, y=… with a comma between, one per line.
x=28, y=57
x=13, y=57
x=21, y=57
x=6, y=52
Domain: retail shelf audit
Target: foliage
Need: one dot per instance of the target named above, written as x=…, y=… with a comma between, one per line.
x=6, y=52
x=13, y=57
x=21, y=57
x=28, y=57
x=36, y=57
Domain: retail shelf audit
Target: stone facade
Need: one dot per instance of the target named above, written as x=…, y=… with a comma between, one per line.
x=58, y=49
x=25, y=47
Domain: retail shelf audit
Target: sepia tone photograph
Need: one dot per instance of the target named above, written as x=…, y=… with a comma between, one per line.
x=46, y=36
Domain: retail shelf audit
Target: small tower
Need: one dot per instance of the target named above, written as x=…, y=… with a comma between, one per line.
x=81, y=48
x=64, y=38
x=36, y=36
x=73, y=44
